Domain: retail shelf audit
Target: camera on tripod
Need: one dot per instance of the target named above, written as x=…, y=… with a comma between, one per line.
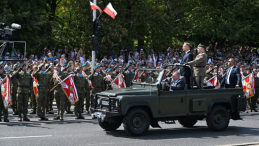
x=6, y=32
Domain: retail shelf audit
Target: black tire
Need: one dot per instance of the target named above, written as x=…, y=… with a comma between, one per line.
x=187, y=121
x=136, y=122
x=218, y=118
x=109, y=126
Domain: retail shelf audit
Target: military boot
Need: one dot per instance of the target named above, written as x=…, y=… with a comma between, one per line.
x=33, y=112
x=80, y=116
x=57, y=118
x=6, y=120
x=25, y=118
x=20, y=118
x=61, y=118
x=69, y=112
x=15, y=113
x=0, y=119
x=45, y=119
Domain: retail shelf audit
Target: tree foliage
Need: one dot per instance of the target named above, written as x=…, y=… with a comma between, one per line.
x=148, y=24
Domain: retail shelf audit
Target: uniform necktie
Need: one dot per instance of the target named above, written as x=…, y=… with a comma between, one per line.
x=80, y=75
x=43, y=72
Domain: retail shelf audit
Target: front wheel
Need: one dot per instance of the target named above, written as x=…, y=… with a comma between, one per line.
x=136, y=122
x=109, y=126
x=218, y=118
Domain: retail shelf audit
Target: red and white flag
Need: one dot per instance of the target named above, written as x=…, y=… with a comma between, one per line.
x=248, y=83
x=6, y=91
x=35, y=87
x=68, y=87
x=95, y=7
x=89, y=81
x=221, y=71
x=110, y=10
x=213, y=81
x=118, y=82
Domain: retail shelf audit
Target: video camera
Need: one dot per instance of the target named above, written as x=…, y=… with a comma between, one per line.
x=6, y=32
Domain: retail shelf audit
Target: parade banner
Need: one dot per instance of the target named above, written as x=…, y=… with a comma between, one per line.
x=118, y=82
x=89, y=81
x=6, y=90
x=212, y=81
x=35, y=87
x=68, y=87
x=248, y=84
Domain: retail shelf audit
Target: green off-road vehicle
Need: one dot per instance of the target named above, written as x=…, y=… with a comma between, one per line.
x=147, y=102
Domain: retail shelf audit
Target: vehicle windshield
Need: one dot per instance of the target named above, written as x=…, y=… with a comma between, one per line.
x=148, y=76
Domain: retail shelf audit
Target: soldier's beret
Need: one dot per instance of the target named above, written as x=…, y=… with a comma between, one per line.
x=202, y=46
x=1, y=62
x=108, y=70
x=85, y=64
x=69, y=65
x=95, y=67
x=128, y=65
x=58, y=65
x=116, y=66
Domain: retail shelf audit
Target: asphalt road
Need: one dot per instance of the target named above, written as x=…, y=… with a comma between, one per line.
x=86, y=132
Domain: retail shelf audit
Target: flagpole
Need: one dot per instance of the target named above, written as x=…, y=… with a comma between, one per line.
x=93, y=51
x=99, y=16
x=60, y=82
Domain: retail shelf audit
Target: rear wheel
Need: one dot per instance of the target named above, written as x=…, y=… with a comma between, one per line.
x=218, y=118
x=109, y=126
x=187, y=122
x=136, y=122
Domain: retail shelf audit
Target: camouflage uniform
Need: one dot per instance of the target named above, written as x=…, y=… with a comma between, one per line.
x=23, y=93
x=107, y=82
x=43, y=89
x=199, y=64
x=97, y=82
x=2, y=108
x=128, y=76
x=59, y=94
x=83, y=89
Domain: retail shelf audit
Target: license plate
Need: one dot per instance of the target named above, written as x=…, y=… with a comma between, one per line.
x=105, y=102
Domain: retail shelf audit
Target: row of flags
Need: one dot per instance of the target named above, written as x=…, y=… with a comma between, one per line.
x=248, y=83
x=108, y=9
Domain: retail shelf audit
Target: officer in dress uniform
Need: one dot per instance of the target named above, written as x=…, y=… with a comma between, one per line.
x=199, y=64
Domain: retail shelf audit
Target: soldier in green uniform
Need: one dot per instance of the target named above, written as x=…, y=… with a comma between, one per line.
x=97, y=80
x=87, y=94
x=14, y=84
x=86, y=68
x=51, y=94
x=67, y=102
x=23, y=92
x=2, y=108
x=108, y=79
x=32, y=95
x=82, y=87
x=199, y=64
x=128, y=75
x=59, y=94
x=43, y=88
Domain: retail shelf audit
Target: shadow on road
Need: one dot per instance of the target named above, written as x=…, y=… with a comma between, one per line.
x=195, y=132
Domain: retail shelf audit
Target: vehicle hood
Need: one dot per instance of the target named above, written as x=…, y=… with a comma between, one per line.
x=128, y=91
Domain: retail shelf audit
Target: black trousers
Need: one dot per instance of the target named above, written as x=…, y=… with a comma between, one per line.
x=188, y=81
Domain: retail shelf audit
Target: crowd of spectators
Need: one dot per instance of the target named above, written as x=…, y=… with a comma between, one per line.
x=246, y=58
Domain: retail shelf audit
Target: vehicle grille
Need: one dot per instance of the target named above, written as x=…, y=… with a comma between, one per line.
x=106, y=103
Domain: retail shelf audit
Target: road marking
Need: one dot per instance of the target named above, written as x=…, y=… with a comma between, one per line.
x=25, y=137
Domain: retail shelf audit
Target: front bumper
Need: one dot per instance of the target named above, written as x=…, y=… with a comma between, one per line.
x=103, y=114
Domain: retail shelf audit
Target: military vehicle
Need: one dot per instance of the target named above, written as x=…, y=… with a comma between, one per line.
x=148, y=101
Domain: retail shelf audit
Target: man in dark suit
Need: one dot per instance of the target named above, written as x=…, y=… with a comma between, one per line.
x=233, y=77
x=187, y=57
x=176, y=83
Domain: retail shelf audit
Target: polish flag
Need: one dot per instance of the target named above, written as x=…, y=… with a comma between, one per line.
x=95, y=7
x=110, y=11
x=213, y=81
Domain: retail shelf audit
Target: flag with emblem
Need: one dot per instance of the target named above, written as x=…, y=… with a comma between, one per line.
x=212, y=81
x=6, y=90
x=118, y=82
x=69, y=87
x=248, y=84
x=35, y=87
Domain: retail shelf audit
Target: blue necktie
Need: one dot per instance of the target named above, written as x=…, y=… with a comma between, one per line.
x=80, y=75
x=43, y=72
x=129, y=72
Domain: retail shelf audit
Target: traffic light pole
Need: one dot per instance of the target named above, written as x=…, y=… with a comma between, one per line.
x=93, y=51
